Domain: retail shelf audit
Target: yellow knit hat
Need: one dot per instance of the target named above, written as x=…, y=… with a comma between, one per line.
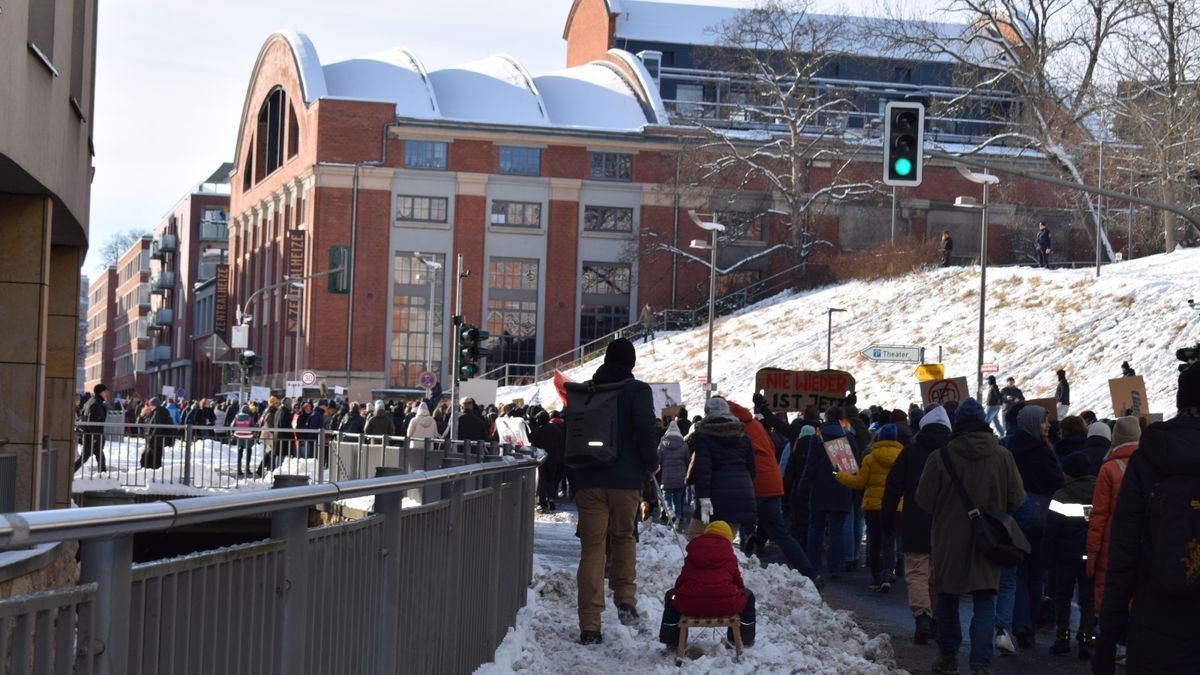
x=720, y=527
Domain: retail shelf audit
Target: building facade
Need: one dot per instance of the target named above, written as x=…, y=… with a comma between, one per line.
x=102, y=308
x=48, y=50
x=129, y=328
x=189, y=249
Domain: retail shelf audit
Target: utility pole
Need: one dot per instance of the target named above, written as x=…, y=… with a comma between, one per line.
x=454, y=390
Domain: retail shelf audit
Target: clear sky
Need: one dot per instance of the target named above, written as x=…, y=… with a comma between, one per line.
x=171, y=76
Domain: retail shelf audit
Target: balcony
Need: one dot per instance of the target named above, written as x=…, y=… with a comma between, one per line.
x=161, y=318
x=167, y=243
x=158, y=355
x=213, y=231
x=205, y=271
x=164, y=281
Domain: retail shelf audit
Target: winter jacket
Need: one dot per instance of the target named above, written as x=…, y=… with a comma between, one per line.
x=672, y=460
x=636, y=449
x=902, y=481
x=1161, y=630
x=316, y=421
x=990, y=477
x=549, y=437
x=267, y=421
x=904, y=434
x=768, y=481
x=993, y=396
x=422, y=426
x=1043, y=239
x=156, y=438
x=1065, y=538
x=1096, y=448
x=95, y=410
x=710, y=583
x=872, y=475
x=1068, y=445
x=1062, y=393
x=379, y=424
x=1104, y=504
x=1014, y=392
x=353, y=423
x=825, y=493
x=472, y=427
x=1040, y=472
x=724, y=470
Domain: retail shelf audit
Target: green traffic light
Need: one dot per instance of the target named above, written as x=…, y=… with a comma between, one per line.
x=902, y=166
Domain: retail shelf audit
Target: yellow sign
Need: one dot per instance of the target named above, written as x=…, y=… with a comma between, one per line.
x=930, y=371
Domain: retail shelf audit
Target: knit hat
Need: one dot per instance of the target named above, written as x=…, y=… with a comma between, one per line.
x=380, y=406
x=1126, y=430
x=886, y=432
x=716, y=407
x=936, y=415
x=99, y=389
x=672, y=429
x=1188, y=395
x=1077, y=464
x=1100, y=429
x=621, y=353
x=969, y=411
x=720, y=527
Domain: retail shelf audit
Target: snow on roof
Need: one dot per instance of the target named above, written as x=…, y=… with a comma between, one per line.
x=312, y=79
x=494, y=89
x=592, y=95
x=396, y=76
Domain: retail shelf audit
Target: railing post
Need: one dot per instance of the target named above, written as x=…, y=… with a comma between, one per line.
x=187, y=455
x=291, y=526
x=108, y=562
x=452, y=623
x=387, y=622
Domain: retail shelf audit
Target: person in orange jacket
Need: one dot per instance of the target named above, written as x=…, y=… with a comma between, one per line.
x=1126, y=435
x=768, y=494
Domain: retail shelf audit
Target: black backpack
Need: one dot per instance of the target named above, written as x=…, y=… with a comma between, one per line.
x=1174, y=527
x=591, y=424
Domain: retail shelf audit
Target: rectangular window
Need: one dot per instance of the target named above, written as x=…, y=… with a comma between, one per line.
x=612, y=166
x=425, y=155
x=414, y=322
x=421, y=209
x=512, y=314
x=607, y=219
x=605, y=300
x=516, y=214
x=520, y=161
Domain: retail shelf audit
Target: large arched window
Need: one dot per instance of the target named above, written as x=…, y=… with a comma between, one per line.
x=268, y=149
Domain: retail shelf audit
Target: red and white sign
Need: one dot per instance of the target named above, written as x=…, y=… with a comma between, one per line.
x=989, y=368
x=308, y=378
x=841, y=454
x=793, y=390
x=941, y=391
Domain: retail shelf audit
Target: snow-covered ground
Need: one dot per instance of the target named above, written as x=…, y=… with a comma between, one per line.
x=1037, y=322
x=796, y=633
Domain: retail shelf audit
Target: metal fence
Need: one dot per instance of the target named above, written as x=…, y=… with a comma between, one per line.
x=425, y=589
x=186, y=460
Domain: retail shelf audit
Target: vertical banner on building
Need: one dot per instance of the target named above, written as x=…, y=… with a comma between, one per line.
x=295, y=270
x=221, y=305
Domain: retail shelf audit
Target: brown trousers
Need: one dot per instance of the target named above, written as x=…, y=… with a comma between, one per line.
x=918, y=576
x=606, y=523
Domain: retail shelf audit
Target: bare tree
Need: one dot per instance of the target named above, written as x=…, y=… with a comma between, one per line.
x=1032, y=65
x=116, y=245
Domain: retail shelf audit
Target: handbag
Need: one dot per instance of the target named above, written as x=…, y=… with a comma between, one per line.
x=996, y=536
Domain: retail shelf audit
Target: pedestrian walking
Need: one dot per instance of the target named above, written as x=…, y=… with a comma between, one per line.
x=1063, y=555
x=243, y=434
x=722, y=470
x=1042, y=245
x=1062, y=394
x=547, y=434
x=95, y=413
x=672, y=463
x=648, y=321
x=1126, y=439
x=829, y=501
x=871, y=478
x=947, y=247
x=421, y=426
x=994, y=400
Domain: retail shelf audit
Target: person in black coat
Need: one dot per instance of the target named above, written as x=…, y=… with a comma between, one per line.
x=829, y=502
x=1042, y=245
x=471, y=425
x=1072, y=436
x=1063, y=548
x=915, y=522
x=1062, y=394
x=724, y=470
x=549, y=437
x=95, y=412
x=156, y=436
x=1160, y=628
x=947, y=247
x=1097, y=444
x=352, y=422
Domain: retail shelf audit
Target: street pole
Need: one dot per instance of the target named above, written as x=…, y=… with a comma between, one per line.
x=983, y=261
x=712, y=302
x=454, y=403
x=350, y=260
x=1099, y=200
x=893, y=214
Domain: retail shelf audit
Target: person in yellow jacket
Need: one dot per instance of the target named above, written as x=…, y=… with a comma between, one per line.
x=872, y=478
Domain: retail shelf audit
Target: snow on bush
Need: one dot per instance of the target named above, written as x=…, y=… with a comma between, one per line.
x=797, y=631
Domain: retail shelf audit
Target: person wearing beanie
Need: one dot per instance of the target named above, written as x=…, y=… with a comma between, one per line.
x=871, y=477
x=243, y=434
x=1063, y=546
x=607, y=497
x=1108, y=486
x=1097, y=444
x=915, y=522
x=672, y=462
x=993, y=401
x=94, y=414
x=709, y=585
x=724, y=469
x=989, y=475
x=1152, y=536
x=379, y=422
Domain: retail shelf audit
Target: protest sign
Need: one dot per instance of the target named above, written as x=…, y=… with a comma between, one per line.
x=793, y=390
x=1129, y=393
x=1050, y=404
x=666, y=394
x=941, y=391
x=841, y=454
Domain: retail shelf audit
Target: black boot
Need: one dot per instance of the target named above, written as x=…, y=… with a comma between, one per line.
x=1062, y=644
x=924, y=630
x=1086, y=641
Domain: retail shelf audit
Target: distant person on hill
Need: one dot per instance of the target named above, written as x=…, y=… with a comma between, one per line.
x=1127, y=370
x=646, y=318
x=947, y=247
x=1043, y=245
x=993, y=402
x=1062, y=394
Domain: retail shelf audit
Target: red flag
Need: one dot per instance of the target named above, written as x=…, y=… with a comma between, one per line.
x=560, y=385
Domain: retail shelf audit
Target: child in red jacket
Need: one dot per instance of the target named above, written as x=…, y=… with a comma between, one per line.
x=709, y=585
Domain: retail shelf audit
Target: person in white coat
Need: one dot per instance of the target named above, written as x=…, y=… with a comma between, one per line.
x=421, y=427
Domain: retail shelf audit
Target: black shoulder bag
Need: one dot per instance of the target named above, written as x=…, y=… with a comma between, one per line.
x=995, y=535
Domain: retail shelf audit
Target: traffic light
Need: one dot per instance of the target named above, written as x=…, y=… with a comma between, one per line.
x=470, y=351
x=903, y=143
x=249, y=361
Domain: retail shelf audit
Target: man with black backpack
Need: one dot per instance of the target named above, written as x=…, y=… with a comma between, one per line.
x=973, y=475
x=611, y=446
x=1152, y=587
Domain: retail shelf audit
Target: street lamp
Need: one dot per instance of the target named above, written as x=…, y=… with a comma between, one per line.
x=829, y=337
x=985, y=180
x=715, y=228
x=433, y=266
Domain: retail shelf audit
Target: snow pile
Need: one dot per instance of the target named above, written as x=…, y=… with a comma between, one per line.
x=796, y=632
x=1037, y=322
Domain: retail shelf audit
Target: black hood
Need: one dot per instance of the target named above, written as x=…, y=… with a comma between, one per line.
x=1173, y=447
x=933, y=436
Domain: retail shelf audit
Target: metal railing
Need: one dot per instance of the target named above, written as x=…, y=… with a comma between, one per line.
x=187, y=460
x=431, y=588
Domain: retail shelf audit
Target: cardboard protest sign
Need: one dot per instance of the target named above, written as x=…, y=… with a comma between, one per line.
x=941, y=391
x=1129, y=393
x=512, y=431
x=1050, y=404
x=666, y=394
x=793, y=390
x=841, y=455
x=483, y=391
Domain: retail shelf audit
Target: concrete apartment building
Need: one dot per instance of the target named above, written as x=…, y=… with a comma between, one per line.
x=129, y=329
x=102, y=309
x=47, y=52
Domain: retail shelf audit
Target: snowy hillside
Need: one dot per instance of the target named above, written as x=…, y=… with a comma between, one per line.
x=1037, y=322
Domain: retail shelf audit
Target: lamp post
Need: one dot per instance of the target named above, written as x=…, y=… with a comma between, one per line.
x=985, y=180
x=715, y=229
x=829, y=337
x=432, y=266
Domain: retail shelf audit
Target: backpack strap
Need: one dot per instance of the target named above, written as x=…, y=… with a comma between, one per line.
x=1120, y=465
x=972, y=510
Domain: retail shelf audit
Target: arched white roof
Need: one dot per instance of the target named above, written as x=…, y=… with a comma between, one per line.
x=395, y=76
x=594, y=96
x=495, y=89
x=312, y=79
